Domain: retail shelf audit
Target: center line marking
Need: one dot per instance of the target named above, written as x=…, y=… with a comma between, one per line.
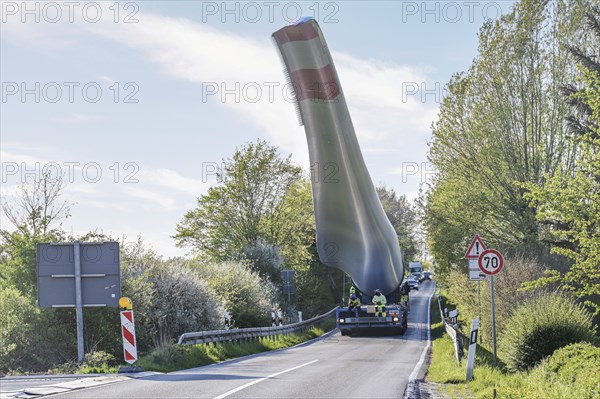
x=226, y=394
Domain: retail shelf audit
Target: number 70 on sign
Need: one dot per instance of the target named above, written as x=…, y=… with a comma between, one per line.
x=490, y=262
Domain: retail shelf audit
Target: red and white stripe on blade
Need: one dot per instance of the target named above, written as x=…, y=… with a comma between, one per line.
x=128, y=333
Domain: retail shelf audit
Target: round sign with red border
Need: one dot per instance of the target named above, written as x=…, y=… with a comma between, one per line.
x=490, y=262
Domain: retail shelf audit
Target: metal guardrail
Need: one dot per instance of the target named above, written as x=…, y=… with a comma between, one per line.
x=237, y=334
x=453, y=332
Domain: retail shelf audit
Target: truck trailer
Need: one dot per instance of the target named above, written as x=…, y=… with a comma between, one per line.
x=394, y=319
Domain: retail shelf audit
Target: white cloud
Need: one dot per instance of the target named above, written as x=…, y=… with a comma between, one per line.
x=386, y=113
x=13, y=157
x=380, y=103
x=107, y=79
x=76, y=118
x=152, y=196
x=172, y=180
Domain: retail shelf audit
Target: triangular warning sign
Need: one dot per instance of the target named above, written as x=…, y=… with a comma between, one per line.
x=476, y=248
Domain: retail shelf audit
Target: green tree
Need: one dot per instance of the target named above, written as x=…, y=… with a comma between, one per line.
x=403, y=218
x=501, y=125
x=41, y=337
x=37, y=214
x=295, y=230
x=569, y=202
x=261, y=212
x=243, y=207
x=264, y=258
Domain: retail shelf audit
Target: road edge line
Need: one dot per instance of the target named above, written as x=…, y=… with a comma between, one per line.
x=413, y=385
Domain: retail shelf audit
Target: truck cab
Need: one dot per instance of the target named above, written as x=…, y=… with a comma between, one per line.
x=416, y=270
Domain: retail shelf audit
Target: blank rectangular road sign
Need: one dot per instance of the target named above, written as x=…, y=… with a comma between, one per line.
x=95, y=258
x=289, y=289
x=475, y=273
x=100, y=274
x=287, y=276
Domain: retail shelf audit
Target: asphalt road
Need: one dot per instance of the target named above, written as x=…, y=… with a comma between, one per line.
x=331, y=367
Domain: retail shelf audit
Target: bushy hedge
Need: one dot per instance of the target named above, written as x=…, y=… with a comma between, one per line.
x=542, y=325
x=247, y=297
x=576, y=364
x=32, y=339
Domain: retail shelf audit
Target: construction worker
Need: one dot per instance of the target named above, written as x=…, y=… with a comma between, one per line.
x=354, y=304
x=353, y=291
x=404, y=290
x=379, y=301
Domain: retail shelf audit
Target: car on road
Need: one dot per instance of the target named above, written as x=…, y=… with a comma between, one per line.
x=413, y=283
x=426, y=276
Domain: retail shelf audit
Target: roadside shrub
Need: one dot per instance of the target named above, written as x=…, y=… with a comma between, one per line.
x=577, y=364
x=98, y=362
x=167, y=355
x=264, y=259
x=168, y=297
x=248, y=298
x=99, y=358
x=33, y=339
x=518, y=270
x=542, y=325
x=182, y=302
x=13, y=305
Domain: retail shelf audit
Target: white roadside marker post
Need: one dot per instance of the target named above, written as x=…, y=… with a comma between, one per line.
x=472, y=348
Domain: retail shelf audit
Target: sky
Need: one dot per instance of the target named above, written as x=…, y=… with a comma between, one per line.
x=136, y=103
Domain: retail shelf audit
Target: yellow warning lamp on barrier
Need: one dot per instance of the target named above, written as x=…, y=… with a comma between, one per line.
x=125, y=303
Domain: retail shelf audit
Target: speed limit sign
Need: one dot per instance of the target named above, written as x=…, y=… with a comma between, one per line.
x=490, y=262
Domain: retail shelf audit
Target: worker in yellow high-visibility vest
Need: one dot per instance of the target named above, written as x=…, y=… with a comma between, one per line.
x=354, y=304
x=379, y=301
x=404, y=290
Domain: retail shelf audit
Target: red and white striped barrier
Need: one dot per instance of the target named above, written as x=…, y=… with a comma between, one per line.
x=128, y=333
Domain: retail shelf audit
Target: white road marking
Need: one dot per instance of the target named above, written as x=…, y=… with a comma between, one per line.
x=226, y=394
x=415, y=372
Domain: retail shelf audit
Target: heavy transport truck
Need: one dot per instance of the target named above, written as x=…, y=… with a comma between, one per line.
x=416, y=270
x=394, y=320
x=353, y=231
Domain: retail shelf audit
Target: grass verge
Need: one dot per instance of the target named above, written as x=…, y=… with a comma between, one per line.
x=571, y=372
x=179, y=357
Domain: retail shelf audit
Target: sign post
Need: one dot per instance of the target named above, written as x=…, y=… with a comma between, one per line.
x=472, y=348
x=78, y=301
x=491, y=262
x=288, y=285
x=493, y=318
